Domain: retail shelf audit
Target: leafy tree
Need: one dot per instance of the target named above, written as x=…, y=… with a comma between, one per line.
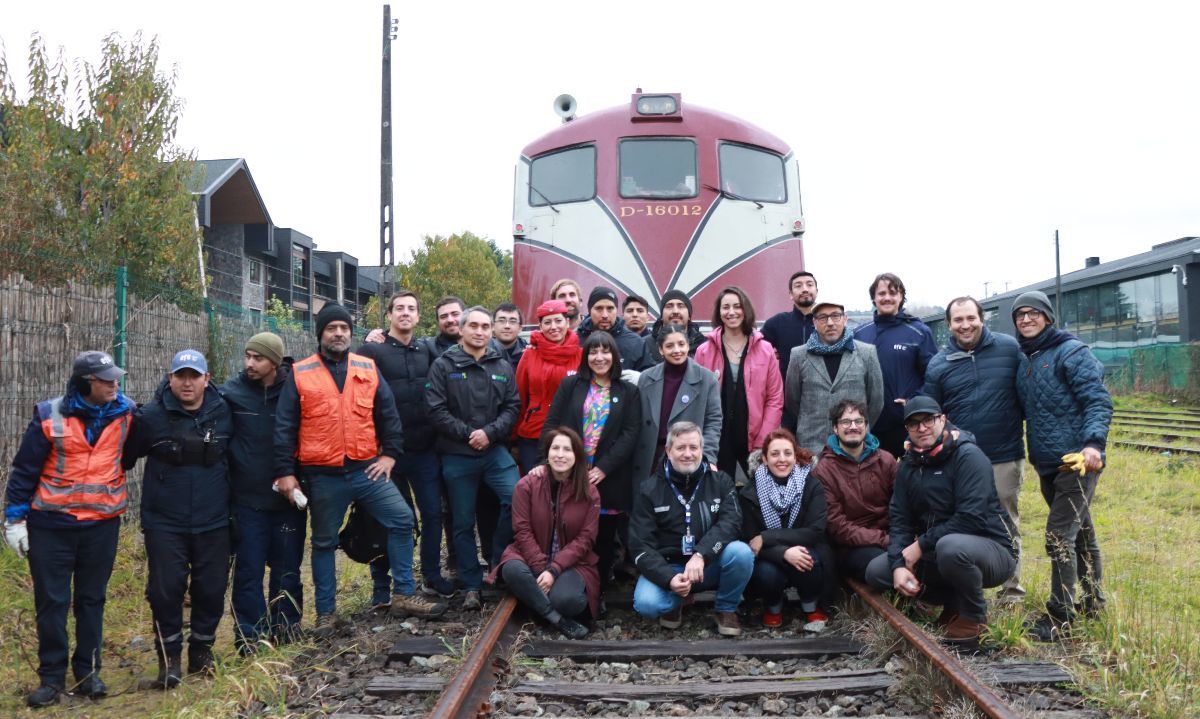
x=84, y=190
x=463, y=264
x=280, y=316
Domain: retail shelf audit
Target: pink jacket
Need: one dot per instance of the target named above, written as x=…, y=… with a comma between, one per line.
x=764, y=384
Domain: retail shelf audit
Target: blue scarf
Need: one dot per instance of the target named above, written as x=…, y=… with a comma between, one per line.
x=817, y=347
x=95, y=418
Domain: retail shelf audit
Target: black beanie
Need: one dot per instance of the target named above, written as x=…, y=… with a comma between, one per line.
x=601, y=293
x=677, y=295
x=332, y=312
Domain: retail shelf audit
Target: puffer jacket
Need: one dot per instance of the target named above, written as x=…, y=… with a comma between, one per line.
x=857, y=493
x=949, y=489
x=764, y=384
x=1066, y=404
x=251, y=460
x=185, y=487
x=631, y=346
x=977, y=390
x=905, y=345
x=405, y=368
x=543, y=367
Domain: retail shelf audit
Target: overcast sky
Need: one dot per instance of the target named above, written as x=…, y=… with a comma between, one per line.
x=941, y=141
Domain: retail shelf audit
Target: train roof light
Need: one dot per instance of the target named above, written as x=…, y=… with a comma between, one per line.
x=657, y=107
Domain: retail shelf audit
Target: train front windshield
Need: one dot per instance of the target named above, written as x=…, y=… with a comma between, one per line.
x=661, y=169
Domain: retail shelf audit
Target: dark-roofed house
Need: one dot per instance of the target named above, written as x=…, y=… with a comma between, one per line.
x=238, y=232
x=335, y=279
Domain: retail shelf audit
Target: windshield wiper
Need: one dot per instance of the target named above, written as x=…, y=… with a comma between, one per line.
x=727, y=193
x=547, y=199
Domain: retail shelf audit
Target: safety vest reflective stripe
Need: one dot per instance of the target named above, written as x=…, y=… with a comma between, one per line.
x=78, y=478
x=336, y=425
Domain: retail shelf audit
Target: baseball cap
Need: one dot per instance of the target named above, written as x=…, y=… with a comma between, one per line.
x=189, y=359
x=921, y=405
x=94, y=363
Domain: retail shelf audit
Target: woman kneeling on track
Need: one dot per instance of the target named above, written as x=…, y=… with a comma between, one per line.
x=550, y=566
x=783, y=521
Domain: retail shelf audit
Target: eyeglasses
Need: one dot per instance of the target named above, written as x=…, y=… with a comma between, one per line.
x=830, y=317
x=912, y=424
x=855, y=422
x=507, y=321
x=1029, y=314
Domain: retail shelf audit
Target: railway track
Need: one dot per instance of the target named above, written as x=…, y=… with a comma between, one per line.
x=1160, y=431
x=631, y=667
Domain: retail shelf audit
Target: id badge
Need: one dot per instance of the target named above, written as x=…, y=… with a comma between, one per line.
x=688, y=544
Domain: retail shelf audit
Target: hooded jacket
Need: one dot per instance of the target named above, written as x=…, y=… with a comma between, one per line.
x=948, y=489
x=543, y=367
x=694, y=335
x=405, y=368
x=631, y=346
x=251, y=461
x=764, y=384
x=656, y=525
x=904, y=345
x=857, y=493
x=465, y=394
x=977, y=390
x=185, y=486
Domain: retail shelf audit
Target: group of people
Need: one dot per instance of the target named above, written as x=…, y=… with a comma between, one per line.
x=741, y=461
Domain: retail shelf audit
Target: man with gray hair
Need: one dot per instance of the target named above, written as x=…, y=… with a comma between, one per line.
x=683, y=535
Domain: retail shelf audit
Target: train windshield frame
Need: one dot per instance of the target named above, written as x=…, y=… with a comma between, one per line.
x=658, y=168
x=753, y=173
x=563, y=176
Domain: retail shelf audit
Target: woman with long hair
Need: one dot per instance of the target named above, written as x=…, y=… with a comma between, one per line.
x=606, y=412
x=550, y=566
x=675, y=390
x=747, y=369
x=783, y=521
x=552, y=354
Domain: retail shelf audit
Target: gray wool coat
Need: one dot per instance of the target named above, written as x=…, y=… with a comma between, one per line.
x=809, y=394
x=698, y=401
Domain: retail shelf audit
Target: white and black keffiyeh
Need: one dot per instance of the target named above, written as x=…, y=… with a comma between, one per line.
x=775, y=499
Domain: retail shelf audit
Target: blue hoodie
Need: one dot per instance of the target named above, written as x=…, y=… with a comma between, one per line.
x=905, y=346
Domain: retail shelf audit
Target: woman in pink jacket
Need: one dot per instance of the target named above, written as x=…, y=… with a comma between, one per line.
x=747, y=371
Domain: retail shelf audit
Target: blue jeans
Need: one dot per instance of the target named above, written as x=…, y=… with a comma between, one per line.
x=462, y=474
x=274, y=539
x=728, y=576
x=330, y=496
x=423, y=473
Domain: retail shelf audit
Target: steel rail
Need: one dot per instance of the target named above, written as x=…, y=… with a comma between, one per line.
x=467, y=696
x=984, y=697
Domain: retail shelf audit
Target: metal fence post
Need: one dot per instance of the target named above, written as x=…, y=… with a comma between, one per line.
x=122, y=299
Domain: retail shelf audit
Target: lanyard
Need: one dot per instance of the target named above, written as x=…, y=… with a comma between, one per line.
x=687, y=505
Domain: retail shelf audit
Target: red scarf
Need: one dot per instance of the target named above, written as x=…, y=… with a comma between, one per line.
x=566, y=353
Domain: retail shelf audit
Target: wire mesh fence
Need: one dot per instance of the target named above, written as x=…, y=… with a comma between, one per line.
x=52, y=308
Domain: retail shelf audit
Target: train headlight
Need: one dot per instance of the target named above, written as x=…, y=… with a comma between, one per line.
x=798, y=226
x=519, y=229
x=657, y=105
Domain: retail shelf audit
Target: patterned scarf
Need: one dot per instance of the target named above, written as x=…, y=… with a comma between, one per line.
x=775, y=500
x=817, y=347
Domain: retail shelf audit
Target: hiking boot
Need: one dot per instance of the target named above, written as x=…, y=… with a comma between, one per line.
x=414, y=604
x=43, y=696
x=815, y=621
x=472, y=601
x=91, y=687
x=1048, y=628
x=570, y=628
x=672, y=619
x=947, y=616
x=200, y=660
x=772, y=619
x=170, y=672
x=327, y=625
x=962, y=630
x=728, y=624
x=438, y=587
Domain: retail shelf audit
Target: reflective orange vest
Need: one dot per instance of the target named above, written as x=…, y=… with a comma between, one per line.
x=84, y=481
x=336, y=425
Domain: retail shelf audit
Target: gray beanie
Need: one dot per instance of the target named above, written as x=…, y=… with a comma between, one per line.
x=1037, y=300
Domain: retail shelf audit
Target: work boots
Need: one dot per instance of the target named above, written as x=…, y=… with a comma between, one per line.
x=170, y=671
x=200, y=659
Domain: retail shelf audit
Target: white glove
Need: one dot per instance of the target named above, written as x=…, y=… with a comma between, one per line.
x=17, y=537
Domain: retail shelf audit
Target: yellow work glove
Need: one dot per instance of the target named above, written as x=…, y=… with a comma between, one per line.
x=1073, y=462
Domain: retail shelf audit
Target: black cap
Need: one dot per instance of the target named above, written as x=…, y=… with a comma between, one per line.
x=332, y=312
x=601, y=293
x=677, y=295
x=94, y=363
x=921, y=405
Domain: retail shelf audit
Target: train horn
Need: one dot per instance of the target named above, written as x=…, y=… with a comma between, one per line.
x=565, y=106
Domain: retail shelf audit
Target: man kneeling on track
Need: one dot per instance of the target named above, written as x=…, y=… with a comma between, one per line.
x=683, y=535
x=949, y=538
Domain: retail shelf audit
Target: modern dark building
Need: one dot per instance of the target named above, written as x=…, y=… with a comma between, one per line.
x=1116, y=306
x=238, y=232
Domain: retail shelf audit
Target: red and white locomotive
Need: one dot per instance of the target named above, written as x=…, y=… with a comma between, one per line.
x=653, y=196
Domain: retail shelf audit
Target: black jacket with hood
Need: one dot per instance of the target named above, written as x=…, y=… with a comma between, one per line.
x=251, y=459
x=465, y=394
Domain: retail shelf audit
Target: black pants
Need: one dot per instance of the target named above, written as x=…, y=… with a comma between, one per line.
x=58, y=558
x=606, y=547
x=487, y=519
x=568, y=596
x=955, y=573
x=769, y=581
x=194, y=563
x=1071, y=542
x=853, y=561
x=891, y=440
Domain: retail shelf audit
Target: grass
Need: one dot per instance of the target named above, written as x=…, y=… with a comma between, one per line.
x=249, y=686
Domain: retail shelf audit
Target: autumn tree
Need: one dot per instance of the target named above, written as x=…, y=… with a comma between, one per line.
x=463, y=264
x=90, y=177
